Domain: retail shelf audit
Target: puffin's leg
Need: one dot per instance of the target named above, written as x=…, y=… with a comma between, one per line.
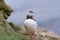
x=33, y=35
x=28, y=35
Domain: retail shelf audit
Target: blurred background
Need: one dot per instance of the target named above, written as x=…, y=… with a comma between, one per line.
x=47, y=12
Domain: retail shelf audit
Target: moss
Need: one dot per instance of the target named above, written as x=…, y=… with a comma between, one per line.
x=5, y=9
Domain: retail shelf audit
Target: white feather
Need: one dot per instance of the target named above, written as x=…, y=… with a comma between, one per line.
x=30, y=24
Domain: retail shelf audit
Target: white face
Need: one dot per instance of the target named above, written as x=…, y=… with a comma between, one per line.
x=31, y=14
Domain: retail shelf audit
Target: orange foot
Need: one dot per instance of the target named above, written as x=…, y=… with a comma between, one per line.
x=33, y=36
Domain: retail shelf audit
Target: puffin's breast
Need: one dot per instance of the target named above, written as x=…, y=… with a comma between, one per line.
x=30, y=24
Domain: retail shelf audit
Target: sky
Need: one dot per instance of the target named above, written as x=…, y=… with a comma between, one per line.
x=44, y=10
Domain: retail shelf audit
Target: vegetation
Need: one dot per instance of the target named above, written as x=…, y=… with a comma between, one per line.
x=5, y=35
x=17, y=28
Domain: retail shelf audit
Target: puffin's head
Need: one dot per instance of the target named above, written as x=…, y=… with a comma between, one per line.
x=30, y=15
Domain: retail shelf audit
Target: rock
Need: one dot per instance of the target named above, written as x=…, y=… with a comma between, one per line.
x=5, y=12
x=42, y=34
x=12, y=24
x=5, y=9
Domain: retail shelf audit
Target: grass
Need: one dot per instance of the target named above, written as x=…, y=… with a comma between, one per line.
x=4, y=35
x=17, y=28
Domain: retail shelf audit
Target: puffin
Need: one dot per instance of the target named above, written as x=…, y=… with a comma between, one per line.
x=30, y=25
